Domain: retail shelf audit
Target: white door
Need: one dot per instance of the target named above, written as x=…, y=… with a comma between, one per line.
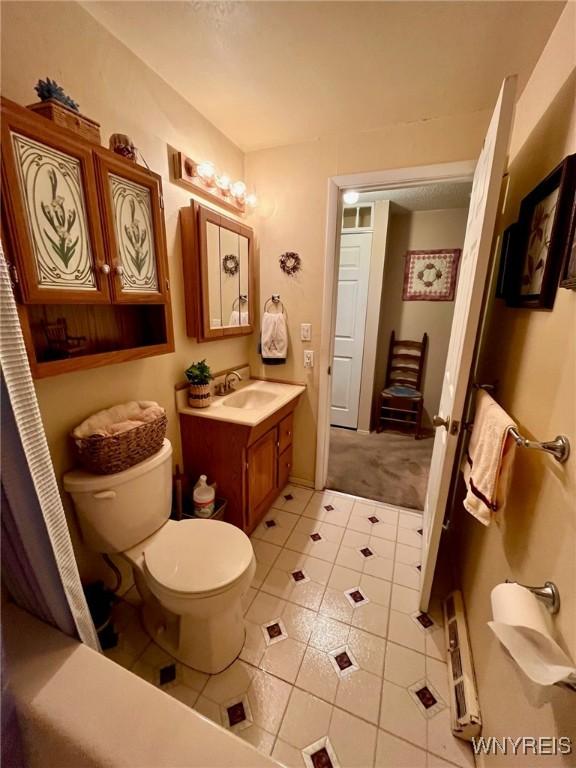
x=353, y=278
x=467, y=309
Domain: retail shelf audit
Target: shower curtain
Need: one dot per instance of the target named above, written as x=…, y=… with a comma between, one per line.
x=39, y=569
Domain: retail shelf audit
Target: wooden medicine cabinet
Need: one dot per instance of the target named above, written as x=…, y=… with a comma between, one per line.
x=218, y=264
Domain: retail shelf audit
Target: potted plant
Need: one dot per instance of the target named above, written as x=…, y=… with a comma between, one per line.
x=199, y=375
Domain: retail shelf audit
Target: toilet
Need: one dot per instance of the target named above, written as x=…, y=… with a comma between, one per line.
x=191, y=574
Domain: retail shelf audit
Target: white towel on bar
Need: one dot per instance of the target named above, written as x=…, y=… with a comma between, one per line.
x=488, y=462
x=274, y=336
x=238, y=318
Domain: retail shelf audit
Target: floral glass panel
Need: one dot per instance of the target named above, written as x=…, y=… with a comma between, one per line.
x=132, y=209
x=51, y=185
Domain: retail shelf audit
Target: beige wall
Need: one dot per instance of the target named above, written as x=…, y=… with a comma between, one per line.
x=531, y=354
x=418, y=230
x=291, y=181
x=116, y=88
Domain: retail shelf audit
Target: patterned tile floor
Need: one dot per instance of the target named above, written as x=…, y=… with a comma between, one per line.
x=336, y=669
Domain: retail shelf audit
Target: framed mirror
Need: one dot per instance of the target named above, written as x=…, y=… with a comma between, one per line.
x=217, y=254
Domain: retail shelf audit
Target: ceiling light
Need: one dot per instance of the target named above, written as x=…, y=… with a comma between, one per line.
x=351, y=197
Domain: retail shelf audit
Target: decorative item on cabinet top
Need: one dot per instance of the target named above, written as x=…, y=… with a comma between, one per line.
x=57, y=106
x=83, y=227
x=217, y=256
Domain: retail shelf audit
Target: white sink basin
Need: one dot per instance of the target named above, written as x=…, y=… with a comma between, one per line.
x=253, y=402
x=249, y=398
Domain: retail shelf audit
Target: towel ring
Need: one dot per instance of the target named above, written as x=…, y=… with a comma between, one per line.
x=242, y=299
x=275, y=299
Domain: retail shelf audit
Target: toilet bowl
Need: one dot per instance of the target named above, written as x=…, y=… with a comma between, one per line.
x=191, y=574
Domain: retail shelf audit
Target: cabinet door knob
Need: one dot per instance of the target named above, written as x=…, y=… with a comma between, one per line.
x=119, y=269
x=105, y=269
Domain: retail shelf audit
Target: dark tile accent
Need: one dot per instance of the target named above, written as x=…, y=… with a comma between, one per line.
x=270, y=523
x=236, y=714
x=366, y=551
x=357, y=596
x=425, y=620
x=288, y=497
x=373, y=519
x=328, y=507
x=167, y=674
x=315, y=536
x=274, y=630
x=298, y=575
x=420, y=531
x=321, y=759
x=343, y=660
x=426, y=697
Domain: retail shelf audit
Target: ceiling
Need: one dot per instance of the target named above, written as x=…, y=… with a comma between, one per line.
x=429, y=197
x=274, y=73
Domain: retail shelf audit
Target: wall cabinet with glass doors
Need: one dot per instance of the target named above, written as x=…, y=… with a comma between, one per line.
x=83, y=235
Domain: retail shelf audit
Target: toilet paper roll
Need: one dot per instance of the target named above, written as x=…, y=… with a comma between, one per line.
x=523, y=626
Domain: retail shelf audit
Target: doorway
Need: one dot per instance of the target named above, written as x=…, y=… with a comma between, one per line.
x=397, y=267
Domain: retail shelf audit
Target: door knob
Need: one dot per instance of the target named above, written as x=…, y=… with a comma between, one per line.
x=119, y=270
x=105, y=269
x=438, y=421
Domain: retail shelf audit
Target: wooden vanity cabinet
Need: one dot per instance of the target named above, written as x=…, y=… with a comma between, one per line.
x=250, y=465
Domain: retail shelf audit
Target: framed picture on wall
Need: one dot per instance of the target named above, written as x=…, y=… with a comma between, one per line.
x=431, y=275
x=506, y=272
x=568, y=276
x=544, y=232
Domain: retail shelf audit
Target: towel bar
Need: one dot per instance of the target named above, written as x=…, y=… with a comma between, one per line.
x=559, y=447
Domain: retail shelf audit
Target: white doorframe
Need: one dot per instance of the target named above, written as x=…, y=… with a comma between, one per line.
x=390, y=179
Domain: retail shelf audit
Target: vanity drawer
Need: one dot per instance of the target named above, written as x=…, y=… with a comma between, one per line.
x=284, y=467
x=285, y=429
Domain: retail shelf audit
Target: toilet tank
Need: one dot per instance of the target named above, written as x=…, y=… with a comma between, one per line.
x=116, y=512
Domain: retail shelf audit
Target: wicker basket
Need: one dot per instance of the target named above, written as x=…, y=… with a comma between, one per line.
x=107, y=455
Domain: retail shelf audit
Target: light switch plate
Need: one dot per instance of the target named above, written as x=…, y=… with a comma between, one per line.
x=305, y=331
x=308, y=358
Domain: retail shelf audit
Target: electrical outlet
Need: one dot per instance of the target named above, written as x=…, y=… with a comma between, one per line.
x=305, y=331
x=308, y=358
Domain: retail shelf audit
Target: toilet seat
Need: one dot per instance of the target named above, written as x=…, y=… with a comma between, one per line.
x=197, y=558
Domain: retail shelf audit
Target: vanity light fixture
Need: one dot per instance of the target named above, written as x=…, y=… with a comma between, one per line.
x=203, y=179
x=238, y=190
x=351, y=197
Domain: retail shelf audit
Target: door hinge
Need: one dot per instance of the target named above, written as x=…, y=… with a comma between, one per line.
x=162, y=201
x=329, y=370
x=168, y=285
x=13, y=273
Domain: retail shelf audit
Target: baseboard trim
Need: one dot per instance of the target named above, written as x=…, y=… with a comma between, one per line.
x=301, y=481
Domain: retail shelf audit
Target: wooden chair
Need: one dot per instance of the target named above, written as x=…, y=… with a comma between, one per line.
x=401, y=402
x=60, y=343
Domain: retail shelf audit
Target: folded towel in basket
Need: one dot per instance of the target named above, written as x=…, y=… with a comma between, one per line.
x=488, y=461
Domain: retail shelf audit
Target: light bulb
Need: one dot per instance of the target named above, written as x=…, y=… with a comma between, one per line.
x=251, y=200
x=223, y=183
x=351, y=196
x=238, y=189
x=206, y=171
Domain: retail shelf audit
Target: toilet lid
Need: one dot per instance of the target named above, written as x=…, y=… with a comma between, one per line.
x=198, y=555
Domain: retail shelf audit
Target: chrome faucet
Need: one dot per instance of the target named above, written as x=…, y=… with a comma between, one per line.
x=228, y=386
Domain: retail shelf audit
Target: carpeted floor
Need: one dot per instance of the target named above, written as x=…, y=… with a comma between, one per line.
x=386, y=467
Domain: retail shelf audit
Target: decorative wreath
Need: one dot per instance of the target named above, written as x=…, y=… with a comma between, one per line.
x=230, y=264
x=290, y=263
